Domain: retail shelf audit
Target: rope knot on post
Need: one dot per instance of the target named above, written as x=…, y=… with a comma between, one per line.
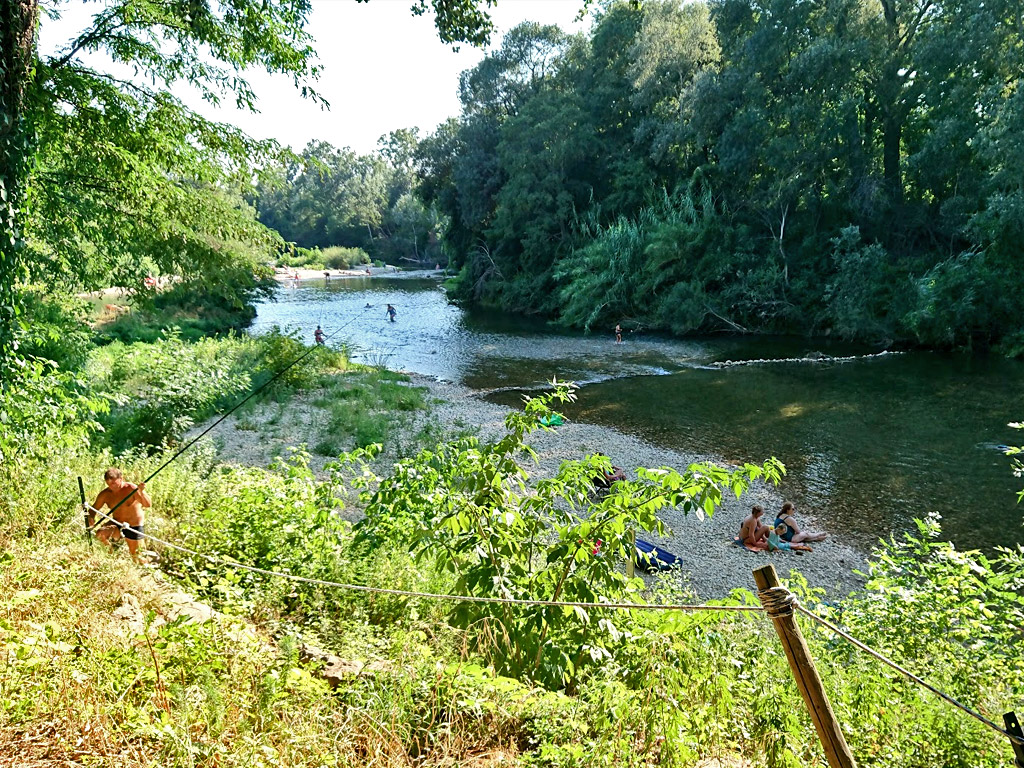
x=777, y=601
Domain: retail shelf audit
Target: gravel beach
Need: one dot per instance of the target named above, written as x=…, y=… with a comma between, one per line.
x=712, y=565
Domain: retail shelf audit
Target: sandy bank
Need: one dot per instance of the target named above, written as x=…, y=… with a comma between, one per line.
x=713, y=566
x=289, y=274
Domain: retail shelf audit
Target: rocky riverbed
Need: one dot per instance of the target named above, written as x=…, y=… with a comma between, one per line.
x=713, y=566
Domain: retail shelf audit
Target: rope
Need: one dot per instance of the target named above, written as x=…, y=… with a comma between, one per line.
x=433, y=595
x=907, y=673
x=234, y=408
x=778, y=601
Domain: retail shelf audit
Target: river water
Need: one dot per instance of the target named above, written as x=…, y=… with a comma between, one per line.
x=869, y=441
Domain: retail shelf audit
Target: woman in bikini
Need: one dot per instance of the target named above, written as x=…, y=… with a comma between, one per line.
x=793, y=534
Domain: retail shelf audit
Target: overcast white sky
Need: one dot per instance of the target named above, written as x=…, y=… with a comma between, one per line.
x=383, y=69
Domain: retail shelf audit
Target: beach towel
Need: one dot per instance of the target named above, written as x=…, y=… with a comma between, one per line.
x=652, y=558
x=759, y=547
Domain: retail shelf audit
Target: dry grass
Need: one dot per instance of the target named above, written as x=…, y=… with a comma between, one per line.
x=80, y=685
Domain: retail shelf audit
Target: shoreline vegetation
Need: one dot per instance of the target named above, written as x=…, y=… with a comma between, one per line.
x=825, y=199
x=198, y=663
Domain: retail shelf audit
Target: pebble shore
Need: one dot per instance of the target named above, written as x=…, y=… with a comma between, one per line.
x=713, y=566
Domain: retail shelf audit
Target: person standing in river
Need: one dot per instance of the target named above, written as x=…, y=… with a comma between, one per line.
x=390, y=312
x=792, y=532
x=618, y=333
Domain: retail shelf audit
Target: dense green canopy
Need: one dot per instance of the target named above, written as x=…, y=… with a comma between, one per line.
x=105, y=177
x=849, y=166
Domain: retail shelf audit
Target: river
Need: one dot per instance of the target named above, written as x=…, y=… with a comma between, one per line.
x=869, y=441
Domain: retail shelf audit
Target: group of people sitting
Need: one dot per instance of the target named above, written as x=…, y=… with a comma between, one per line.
x=783, y=535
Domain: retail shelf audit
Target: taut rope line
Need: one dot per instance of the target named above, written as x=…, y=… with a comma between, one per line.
x=435, y=595
x=905, y=672
x=234, y=408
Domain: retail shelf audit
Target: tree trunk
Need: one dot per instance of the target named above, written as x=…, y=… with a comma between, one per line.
x=17, y=51
x=892, y=136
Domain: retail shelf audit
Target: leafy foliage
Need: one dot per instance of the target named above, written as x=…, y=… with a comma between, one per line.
x=162, y=389
x=805, y=124
x=469, y=508
x=354, y=207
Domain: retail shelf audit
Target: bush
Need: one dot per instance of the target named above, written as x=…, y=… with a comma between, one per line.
x=164, y=388
x=467, y=508
x=860, y=297
x=337, y=257
x=56, y=328
x=192, y=310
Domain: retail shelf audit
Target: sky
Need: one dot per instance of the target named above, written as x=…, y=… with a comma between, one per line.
x=383, y=69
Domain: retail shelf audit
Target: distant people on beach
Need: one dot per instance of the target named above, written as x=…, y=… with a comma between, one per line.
x=618, y=333
x=390, y=312
x=369, y=272
x=792, y=532
x=318, y=334
x=754, y=533
x=327, y=276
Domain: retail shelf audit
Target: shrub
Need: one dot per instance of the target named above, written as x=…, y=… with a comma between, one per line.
x=467, y=507
x=337, y=257
x=55, y=328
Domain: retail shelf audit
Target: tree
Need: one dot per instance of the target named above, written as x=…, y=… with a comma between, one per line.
x=141, y=130
x=17, y=46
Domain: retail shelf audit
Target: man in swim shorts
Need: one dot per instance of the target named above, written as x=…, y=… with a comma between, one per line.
x=127, y=501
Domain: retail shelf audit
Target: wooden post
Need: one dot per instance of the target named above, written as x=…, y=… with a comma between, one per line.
x=1013, y=727
x=89, y=519
x=631, y=561
x=806, y=676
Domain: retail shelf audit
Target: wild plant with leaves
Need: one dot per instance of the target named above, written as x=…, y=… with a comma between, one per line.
x=471, y=509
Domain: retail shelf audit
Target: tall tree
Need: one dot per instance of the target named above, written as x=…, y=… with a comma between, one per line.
x=206, y=43
x=18, y=20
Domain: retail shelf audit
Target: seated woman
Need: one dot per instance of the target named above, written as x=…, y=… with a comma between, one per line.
x=793, y=533
x=754, y=533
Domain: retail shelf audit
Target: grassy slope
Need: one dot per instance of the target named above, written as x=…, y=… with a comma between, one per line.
x=81, y=685
x=78, y=686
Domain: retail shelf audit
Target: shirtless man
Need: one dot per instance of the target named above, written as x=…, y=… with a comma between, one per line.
x=753, y=532
x=130, y=512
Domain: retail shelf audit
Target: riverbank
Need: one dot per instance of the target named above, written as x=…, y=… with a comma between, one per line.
x=288, y=275
x=713, y=566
